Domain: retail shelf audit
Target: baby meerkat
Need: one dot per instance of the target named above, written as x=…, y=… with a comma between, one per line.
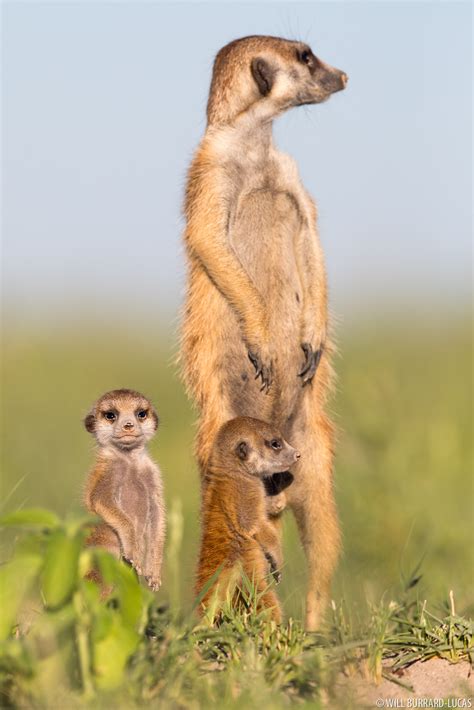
x=235, y=525
x=125, y=487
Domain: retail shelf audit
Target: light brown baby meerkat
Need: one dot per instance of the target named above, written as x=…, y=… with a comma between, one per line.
x=255, y=329
x=125, y=487
x=235, y=527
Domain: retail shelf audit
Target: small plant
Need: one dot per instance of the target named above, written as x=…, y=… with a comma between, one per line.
x=55, y=629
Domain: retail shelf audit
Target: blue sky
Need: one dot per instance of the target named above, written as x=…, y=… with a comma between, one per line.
x=103, y=105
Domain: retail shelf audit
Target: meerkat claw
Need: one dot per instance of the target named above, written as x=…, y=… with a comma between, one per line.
x=261, y=370
x=274, y=571
x=308, y=351
x=312, y=360
x=254, y=360
x=266, y=382
x=153, y=583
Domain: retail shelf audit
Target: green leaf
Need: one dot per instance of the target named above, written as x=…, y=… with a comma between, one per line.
x=16, y=579
x=60, y=571
x=81, y=522
x=36, y=517
x=103, y=622
x=107, y=564
x=111, y=653
x=130, y=595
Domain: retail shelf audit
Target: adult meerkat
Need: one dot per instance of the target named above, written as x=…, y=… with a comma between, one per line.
x=235, y=525
x=125, y=488
x=256, y=292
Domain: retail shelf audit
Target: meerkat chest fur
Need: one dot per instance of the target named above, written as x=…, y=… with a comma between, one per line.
x=137, y=481
x=268, y=212
x=237, y=505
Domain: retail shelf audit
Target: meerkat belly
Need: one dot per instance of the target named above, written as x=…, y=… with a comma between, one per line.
x=263, y=234
x=133, y=499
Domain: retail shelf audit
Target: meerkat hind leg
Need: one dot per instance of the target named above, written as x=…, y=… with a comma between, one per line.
x=105, y=537
x=311, y=499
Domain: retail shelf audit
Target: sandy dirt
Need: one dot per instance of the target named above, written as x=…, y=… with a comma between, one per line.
x=435, y=679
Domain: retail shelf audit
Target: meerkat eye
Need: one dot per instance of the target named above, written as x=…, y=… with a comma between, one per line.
x=242, y=450
x=305, y=56
x=275, y=444
x=111, y=416
x=142, y=414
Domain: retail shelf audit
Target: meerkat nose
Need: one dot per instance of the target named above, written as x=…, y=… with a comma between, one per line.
x=297, y=455
x=344, y=79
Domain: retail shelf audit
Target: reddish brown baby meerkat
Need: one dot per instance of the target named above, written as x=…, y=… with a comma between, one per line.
x=235, y=526
x=125, y=487
x=255, y=328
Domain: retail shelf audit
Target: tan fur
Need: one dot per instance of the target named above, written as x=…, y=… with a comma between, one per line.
x=125, y=487
x=235, y=527
x=257, y=283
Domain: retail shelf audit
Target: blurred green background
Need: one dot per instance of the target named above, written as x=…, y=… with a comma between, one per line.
x=404, y=457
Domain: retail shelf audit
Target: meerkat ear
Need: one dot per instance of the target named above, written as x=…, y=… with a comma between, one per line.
x=242, y=450
x=155, y=417
x=263, y=74
x=89, y=423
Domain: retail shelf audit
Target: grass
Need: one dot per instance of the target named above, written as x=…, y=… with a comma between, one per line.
x=58, y=639
x=404, y=490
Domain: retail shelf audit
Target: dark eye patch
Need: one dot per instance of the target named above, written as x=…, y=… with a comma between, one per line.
x=110, y=415
x=305, y=56
x=142, y=414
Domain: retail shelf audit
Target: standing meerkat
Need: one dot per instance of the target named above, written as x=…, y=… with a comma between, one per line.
x=255, y=318
x=125, y=488
x=235, y=525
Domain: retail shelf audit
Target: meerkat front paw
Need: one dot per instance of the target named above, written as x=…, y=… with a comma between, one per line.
x=263, y=368
x=153, y=582
x=276, y=504
x=310, y=365
x=274, y=486
x=152, y=574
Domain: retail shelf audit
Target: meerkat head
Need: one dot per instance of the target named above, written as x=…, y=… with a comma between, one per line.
x=254, y=447
x=273, y=72
x=123, y=419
